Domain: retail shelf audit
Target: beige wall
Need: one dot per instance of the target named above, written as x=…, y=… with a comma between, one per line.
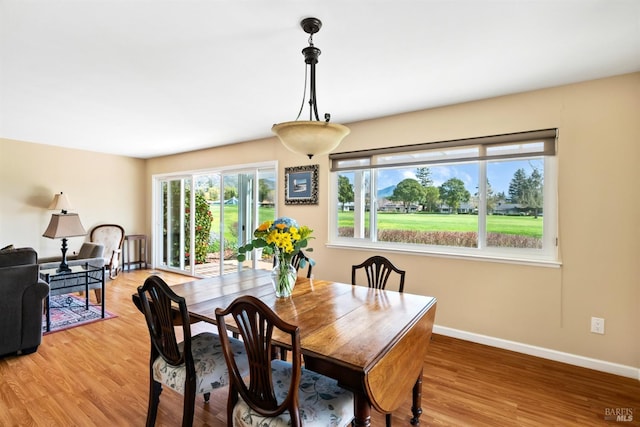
x=598, y=218
x=102, y=189
x=548, y=307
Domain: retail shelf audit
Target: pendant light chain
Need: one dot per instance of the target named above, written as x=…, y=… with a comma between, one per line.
x=313, y=136
x=304, y=93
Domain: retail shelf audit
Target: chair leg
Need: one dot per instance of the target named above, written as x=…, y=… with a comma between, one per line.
x=114, y=271
x=283, y=353
x=388, y=419
x=98, y=293
x=188, y=409
x=155, y=388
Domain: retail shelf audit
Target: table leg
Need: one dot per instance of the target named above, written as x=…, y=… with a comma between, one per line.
x=362, y=411
x=48, y=314
x=416, y=407
x=86, y=290
x=104, y=296
x=48, y=302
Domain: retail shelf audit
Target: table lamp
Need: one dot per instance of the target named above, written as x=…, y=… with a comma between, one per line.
x=63, y=225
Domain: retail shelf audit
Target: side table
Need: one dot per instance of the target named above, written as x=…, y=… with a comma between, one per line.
x=140, y=246
x=80, y=277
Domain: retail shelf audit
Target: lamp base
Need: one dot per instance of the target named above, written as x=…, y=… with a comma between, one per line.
x=64, y=267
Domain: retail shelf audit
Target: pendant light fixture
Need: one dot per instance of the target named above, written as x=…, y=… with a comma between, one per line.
x=310, y=137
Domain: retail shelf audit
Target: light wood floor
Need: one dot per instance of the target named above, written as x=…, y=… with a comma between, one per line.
x=97, y=375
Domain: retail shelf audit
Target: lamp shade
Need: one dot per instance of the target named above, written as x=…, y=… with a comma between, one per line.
x=64, y=225
x=60, y=202
x=310, y=137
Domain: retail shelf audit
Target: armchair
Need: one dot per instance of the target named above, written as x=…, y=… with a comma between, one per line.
x=21, y=296
x=111, y=237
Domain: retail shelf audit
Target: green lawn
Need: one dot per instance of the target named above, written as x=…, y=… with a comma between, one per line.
x=230, y=213
x=517, y=225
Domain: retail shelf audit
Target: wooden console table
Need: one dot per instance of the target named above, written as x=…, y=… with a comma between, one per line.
x=140, y=246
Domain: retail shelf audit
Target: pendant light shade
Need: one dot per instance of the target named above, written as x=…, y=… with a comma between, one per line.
x=311, y=137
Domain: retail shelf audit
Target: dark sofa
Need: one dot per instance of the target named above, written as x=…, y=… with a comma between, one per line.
x=21, y=298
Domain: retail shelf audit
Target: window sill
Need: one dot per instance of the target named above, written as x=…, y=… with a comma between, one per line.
x=445, y=254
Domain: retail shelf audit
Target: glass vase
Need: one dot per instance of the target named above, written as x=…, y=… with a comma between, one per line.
x=283, y=277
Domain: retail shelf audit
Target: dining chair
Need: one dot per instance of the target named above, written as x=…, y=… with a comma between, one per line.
x=194, y=366
x=298, y=261
x=378, y=269
x=277, y=392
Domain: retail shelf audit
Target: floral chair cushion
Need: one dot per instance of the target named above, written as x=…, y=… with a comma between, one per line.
x=208, y=358
x=322, y=402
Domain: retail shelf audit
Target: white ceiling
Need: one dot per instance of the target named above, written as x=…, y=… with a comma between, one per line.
x=145, y=78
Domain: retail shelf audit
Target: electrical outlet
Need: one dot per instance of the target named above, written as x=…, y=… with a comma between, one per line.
x=597, y=325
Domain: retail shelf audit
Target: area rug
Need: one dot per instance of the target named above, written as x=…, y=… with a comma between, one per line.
x=68, y=311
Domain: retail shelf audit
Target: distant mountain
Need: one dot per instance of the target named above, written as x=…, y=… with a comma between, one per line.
x=386, y=192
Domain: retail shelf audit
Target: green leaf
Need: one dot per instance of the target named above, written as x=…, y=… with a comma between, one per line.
x=259, y=244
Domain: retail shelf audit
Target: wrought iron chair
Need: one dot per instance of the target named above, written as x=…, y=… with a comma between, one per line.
x=278, y=392
x=378, y=270
x=195, y=365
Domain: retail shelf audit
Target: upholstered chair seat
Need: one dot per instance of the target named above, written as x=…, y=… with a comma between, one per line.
x=208, y=361
x=322, y=401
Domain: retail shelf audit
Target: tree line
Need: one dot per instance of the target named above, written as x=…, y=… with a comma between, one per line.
x=524, y=190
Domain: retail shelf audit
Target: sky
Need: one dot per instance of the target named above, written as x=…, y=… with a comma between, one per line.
x=499, y=174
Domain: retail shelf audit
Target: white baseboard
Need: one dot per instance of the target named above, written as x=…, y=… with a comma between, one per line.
x=545, y=353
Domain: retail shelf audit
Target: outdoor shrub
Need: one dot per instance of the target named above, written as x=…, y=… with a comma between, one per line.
x=203, y=227
x=466, y=239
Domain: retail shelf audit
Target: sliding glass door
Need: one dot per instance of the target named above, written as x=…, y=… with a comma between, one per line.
x=197, y=232
x=173, y=251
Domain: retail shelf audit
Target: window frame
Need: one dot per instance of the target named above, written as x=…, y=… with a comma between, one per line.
x=353, y=161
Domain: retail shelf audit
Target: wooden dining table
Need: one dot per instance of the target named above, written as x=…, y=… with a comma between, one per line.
x=372, y=341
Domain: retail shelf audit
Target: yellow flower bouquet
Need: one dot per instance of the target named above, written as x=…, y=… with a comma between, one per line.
x=285, y=238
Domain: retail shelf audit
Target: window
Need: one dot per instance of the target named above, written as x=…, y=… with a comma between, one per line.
x=491, y=197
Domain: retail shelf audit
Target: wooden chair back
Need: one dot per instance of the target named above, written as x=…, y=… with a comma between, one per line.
x=255, y=323
x=378, y=270
x=156, y=303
